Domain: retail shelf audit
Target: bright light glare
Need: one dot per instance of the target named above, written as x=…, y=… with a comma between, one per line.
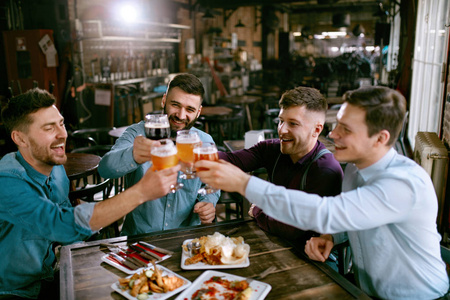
x=334, y=34
x=297, y=33
x=128, y=14
x=334, y=49
x=370, y=48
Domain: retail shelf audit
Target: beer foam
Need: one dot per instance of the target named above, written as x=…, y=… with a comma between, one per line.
x=187, y=139
x=164, y=151
x=208, y=150
x=156, y=125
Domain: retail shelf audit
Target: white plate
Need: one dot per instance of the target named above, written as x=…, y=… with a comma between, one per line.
x=203, y=266
x=260, y=289
x=116, y=287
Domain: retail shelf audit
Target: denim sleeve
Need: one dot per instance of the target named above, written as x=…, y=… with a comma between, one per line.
x=119, y=161
x=27, y=207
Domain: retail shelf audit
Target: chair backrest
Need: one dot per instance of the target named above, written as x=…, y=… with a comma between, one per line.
x=100, y=136
x=88, y=192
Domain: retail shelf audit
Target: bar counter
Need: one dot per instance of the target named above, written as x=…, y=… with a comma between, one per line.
x=83, y=275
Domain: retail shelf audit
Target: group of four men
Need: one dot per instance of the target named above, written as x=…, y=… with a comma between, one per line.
x=387, y=209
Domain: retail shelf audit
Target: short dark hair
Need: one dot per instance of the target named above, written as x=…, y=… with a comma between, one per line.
x=309, y=97
x=16, y=114
x=188, y=83
x=385, y=109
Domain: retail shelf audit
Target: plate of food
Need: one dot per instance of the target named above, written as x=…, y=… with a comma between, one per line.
x=215, y=252
x=220, y=286
x=156, y=282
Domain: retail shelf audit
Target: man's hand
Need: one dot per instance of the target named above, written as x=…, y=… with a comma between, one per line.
x=222, y=175
x=319, y=248
x=206, y=211
x=142, y=147
x=154, y=185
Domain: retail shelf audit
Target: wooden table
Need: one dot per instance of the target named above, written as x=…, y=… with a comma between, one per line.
x=79, y=165
x=211, y=111
x=83, y=275
x=239, y=144
x=117, y=132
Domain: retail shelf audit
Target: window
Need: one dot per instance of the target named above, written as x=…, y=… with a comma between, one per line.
x=430, y=52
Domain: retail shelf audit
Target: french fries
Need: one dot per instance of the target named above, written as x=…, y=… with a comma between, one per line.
x=150, y=281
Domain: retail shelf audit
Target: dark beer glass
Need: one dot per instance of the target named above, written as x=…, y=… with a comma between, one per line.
x=157, y=127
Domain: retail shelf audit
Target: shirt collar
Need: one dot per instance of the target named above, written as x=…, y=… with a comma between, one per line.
x=381, y=164
x=32, y=173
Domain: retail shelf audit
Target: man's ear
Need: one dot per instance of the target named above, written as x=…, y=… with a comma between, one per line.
x=383, y=137
x=163, y=101
x=18, y=138
x=317, y=129
x=199, y=111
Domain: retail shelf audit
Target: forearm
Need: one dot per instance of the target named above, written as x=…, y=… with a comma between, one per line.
x=109, y=211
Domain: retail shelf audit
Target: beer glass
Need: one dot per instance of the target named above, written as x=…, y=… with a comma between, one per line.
x=186, y=140
x=206, y=151
x=157, y=127
x=164, y=157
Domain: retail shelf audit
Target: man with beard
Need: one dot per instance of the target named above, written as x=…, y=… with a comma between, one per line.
x=35, y=211
x=130, y=157
x=297, y=160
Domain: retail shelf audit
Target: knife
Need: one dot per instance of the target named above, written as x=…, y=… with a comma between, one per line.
x=124, y=261
x=134, y=260
x=157, y=249
x=144, y=253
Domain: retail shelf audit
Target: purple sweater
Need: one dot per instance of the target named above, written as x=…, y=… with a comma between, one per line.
x=324, y=178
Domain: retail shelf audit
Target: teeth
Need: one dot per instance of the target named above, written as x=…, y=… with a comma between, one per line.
x=58, y=146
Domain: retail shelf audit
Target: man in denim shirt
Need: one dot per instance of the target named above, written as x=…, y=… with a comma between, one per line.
x=35, y=212
x=130, y=157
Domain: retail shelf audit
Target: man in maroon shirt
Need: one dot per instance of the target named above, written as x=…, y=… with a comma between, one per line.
x=297, y=160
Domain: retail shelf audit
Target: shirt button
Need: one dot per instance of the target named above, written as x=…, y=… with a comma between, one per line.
x=168, y=205
x=167, y=224
x=132, y=165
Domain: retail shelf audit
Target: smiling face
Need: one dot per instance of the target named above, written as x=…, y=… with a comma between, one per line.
x=298, y=130
x=182, y=108
x=352, y=141
x=42, y=144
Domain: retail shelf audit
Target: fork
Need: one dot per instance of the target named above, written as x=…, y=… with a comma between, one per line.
x=264, y=273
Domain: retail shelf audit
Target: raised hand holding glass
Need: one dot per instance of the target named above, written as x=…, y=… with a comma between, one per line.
x=206, y=151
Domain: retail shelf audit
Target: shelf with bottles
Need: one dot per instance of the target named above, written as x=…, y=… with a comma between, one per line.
x=101, y=30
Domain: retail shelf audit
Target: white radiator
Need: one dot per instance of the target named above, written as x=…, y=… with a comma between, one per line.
x=432, y=155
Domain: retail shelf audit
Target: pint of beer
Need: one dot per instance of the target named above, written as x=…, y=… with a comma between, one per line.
x=157, y=127
x=186, y=140
x=164, y=156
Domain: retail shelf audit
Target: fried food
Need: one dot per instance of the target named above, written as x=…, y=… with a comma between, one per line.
x=150, y=281
x=217, y=249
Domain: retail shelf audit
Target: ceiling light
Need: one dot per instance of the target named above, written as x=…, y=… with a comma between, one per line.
x=208, y=14
x=239, y=24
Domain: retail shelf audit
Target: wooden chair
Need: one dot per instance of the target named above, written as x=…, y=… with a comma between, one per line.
x=234, y=205
x=95, y=193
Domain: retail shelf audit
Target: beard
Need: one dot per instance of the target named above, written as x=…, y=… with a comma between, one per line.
x=187, y=125
x=44, y=155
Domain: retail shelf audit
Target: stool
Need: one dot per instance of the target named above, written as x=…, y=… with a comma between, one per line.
x=271, y=115
x=244, y=101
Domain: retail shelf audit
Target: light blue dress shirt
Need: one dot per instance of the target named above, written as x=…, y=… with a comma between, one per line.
x=35, y=212
x=174, y=210
x=389, y=216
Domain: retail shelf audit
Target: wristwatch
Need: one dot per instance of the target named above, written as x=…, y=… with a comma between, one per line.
x=250, y=211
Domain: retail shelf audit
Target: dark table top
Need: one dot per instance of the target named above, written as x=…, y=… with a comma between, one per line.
x=79, y=165
x=83, y=275
x=244, y=99
x=215, y=111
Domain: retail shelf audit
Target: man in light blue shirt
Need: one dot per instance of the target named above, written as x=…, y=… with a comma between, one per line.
x=387, y=210
x=35, y=211
x=130, y=157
